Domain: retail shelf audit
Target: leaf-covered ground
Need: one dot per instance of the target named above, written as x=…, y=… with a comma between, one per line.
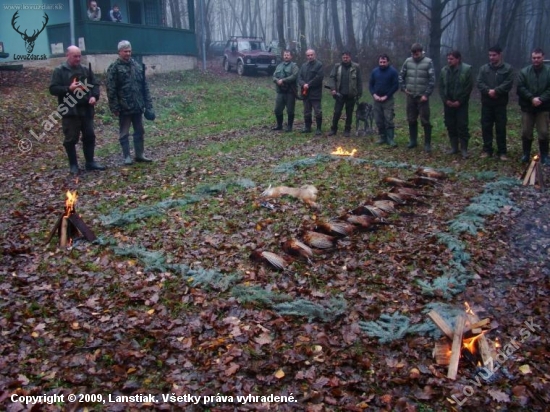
x=170, y=303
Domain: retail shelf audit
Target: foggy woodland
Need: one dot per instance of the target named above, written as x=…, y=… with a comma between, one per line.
x=370, y=27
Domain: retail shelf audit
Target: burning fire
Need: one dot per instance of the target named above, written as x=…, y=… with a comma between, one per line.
x=70, y=202
x=468, y=309
x=536, y=158
x=470, y=343
x=341, y=152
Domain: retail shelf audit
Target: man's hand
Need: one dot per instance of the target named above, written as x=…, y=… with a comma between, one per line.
x=280, y=82
x=536, y=101
x=75, y=85
x=92, y=101
x=306, y=86
x=424, y=98
x=492, y=94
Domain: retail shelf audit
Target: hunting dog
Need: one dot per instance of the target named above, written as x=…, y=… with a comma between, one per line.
x=365, y=114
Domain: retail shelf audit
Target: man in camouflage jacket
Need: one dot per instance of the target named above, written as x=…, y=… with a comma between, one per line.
x=129, y=98
x=77, y=93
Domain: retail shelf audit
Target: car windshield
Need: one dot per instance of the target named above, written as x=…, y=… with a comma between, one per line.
x=245, y=45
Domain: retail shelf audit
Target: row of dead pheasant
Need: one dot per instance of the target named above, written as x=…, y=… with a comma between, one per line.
x=325, y=234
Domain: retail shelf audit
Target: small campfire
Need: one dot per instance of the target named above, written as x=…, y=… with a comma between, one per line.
x=467, y=341
x=533, y=174
x=341, y=152
x=70, y=225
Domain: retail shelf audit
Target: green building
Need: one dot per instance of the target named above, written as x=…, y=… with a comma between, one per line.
x=38, y=33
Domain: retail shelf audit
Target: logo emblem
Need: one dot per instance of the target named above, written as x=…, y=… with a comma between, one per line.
x=29, y=40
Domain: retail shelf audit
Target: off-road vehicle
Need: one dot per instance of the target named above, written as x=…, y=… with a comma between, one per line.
x=248, y=55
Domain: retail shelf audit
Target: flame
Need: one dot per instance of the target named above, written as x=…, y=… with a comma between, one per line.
x=470, y=343
x=468, y=309
x=497, y=343
x=70, y=202
x=341, y=152
x=536, y=158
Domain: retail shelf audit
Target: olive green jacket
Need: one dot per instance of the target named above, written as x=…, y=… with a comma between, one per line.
x=456, y=84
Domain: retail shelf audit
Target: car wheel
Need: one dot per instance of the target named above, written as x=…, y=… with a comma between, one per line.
x=226, y=65
x=240, y=68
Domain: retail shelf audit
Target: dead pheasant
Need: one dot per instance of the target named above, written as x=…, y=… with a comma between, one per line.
x=306, y=193
x=272, y=259
x=430, y=172
x=363, y=222
x=334, y=228
x=393, y=181
x=319, y=240
x=394, y=197
x=369, y=210
x=423, y=181
x=296, y=248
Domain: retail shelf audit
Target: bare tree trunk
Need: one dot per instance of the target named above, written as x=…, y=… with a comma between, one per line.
x=325, y=37
x=302, y=24
x=290, y=33
x=281, y=23
x=336, y=25
x=350, y=34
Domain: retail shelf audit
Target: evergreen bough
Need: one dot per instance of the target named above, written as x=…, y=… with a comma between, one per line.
x=388, y=328
x=332, y=309
x=258, y=295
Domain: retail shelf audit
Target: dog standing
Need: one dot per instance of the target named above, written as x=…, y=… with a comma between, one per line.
x=365, y=114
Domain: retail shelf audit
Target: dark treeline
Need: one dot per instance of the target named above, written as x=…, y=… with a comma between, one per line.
x=370, y=27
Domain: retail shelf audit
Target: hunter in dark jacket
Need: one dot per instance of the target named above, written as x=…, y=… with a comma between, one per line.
x=284, y=78
x=346, y=87
x=310, y=83
x=494, y=81
x=534, y=99
x=129, y=98
x=455, y=87
x=77, y=93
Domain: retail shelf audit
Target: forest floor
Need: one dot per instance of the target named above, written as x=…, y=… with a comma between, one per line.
x=168, y=301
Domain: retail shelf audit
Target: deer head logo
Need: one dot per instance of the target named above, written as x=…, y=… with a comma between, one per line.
x=29, y=40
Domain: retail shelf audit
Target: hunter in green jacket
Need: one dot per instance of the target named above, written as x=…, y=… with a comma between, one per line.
x=534, y=99
x=455, y=86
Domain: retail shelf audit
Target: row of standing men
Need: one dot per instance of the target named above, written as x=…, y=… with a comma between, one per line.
x=417, y=80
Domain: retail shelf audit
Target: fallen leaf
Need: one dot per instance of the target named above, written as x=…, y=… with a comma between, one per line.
x=498, y=396
x=279, y=374
x=525, y=369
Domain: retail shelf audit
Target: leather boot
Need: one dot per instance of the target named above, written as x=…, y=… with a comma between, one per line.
x=413, y=135
x=138, y=147
x=390, y=135
x=290, y=123
x=73, y=159
x=526, y=145
x=89, y=149
x=279, y=126
x=543, y=148
x=307, y=126
x=383, y=136
x=319, y=122
x=428, y=139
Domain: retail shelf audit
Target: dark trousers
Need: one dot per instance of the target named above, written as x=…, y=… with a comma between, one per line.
x=283, y=100
x=384, y=114
x=497, y=116
x=538, y=120
x=349, y=103
x=456, y=121
x=310, y=106
x=73, y=126
x=125, y=121
x=416, y=108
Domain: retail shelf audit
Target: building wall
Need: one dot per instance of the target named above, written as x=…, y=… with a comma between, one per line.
x=100, y=63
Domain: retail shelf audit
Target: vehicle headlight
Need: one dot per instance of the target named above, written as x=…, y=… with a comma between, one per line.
x=248, y=61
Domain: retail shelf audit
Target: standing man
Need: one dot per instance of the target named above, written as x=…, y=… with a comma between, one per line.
x=384, y=82
x=77, y=93
x=417, y=80
x=494, y=81
x=310, y=82
x=455, y=87
x=129, y=98
x=284, y=78
x=346, y=87
x=534, y=100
